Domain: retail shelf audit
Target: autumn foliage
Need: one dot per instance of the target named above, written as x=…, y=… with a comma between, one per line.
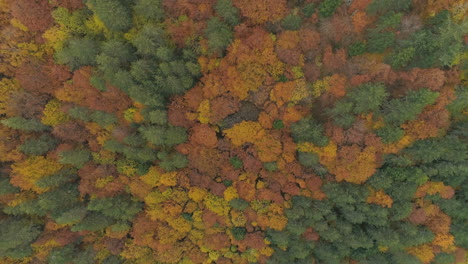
x=233, y=131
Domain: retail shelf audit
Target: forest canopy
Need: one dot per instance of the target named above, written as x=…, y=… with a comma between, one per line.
x=233, y=131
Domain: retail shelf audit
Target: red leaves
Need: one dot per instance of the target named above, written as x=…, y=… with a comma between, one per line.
x=35, y=14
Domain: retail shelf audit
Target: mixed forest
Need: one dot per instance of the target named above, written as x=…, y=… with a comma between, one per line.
x=233, y=131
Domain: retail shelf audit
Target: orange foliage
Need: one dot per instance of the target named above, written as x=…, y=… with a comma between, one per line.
x=360, y=21
x=354, y=164
x=423, y=252
x=203, y=135
x=432, y=188
x=259, y=12
x=380, y=198
x=37, y=18
x=27, y=172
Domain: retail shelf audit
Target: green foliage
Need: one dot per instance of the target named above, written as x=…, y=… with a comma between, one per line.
x=327, y=7
x=459, y=106
x=98, y=83
x=341, y=113
x=278, y=124
x=17, y=234
x=308, y=130
x=115, y=14
x=164, y=136
x=389, y=20
x=93, y=222
x=114, y=55
x=81, y=113
x=27, y=125
x=149, y=39
x=307, y=159
x=239, y=204
x=367, y=97
x=121, y=207
x=152, y=10
x=72, y=216
x=38, y=146
x=6, y=187
x=291, y=22
x=172, y=161
x=219, y=35
x=356, y=49
x=390, y=134
x=270, y=166
x=397, y=111
x=103, y=118
x=76, y=157
x=308, y=10
x=228, y=12
x=383, y=6
x=444, y=258
x=378, y=42
x=236, y=162
x=158, y=117
x=72, y=253
x=238, y=233
x=78, y=52
x=402, y=58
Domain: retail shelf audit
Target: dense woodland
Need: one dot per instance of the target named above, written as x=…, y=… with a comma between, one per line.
x=233, y=131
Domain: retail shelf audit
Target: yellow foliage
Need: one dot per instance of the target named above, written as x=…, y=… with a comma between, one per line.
x=277, y=222
x=327, y=154
x=320, y=86
x=301, y=91
x=216, y=204
x=445, y=241
x=238, y=218
x=246, y=131
x=168, y=179
x=103, y=156
x=27, y=172
x=204, y=111
x=152, y=177
x=197, y=194
x=380, y=197
x=230, y=193
x=101, y=134
x=181, y=225
x=8, y=87
x=135, y=252
x=55, y=37
x=423, y=252
x=52, y=115
x=102, y=182
x=397, y=146
x=17, y=24
x=267, y=251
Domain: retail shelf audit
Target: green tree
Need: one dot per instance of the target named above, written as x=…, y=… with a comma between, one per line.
x=308, y=159
x=78, y=52
x=219, y=35
x=103, y=118
x=121, y=207
x=93, y=221
x=115, y=14
x=390, y=134
x=367, y=97
x=172, y=161
x=28, y=125
x=327, y=7
x=383, y=6
x=17, y=234
x=38, y=146
x=378, y=42
x=151, y=10
x=76, y=157
x=228, y=12
x=291, y=22
x=308, y=130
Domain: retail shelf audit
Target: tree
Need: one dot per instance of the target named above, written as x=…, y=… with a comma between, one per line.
x=308, y=130
x=327, y=8
x=219, y=35
x=115, y=14
x=38, y=146
x=78, y=52
x=367, y=97
x=17, y=235
x=39, y=16
x=28, y=125
x=121, y=207
x=291, y=22
x=228, y=12
x=379, y=41
x=151, y=10
x=76, y=157
x=380, y=7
